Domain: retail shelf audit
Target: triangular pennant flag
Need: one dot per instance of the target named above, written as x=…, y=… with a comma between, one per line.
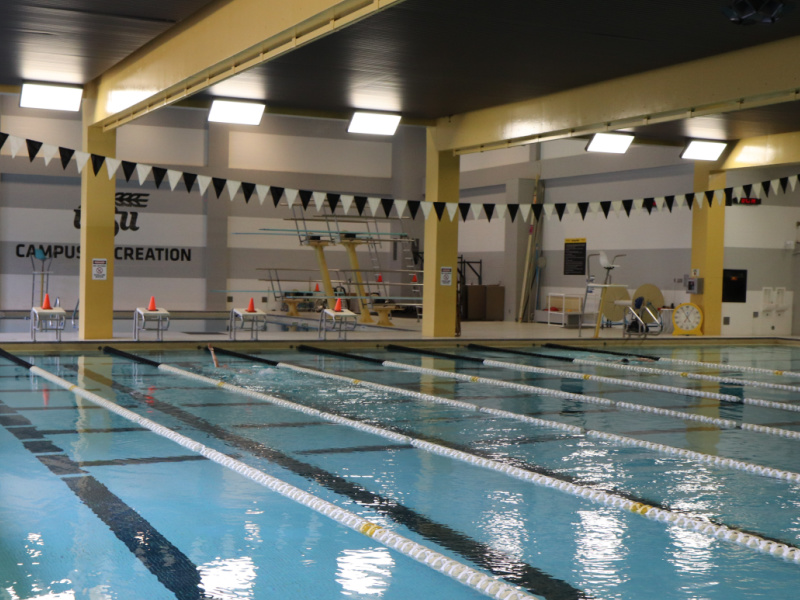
x=112, y=164
x=15, y=143
x=638, y=203
x=347, y=202
x=158, y=175
x=774, y=186
x=173, y=178
x=475, y=209
x=537, y=211
x=188, y=181
x=793, y=182
x=361, y=202
x=649, y=204
x=261, y=192
x=33, y=148
x=748, y=187
x=426, y=209
x=660, y=203
x=319, y=200
x=616, y=206
x=709, y=194
x=128, y=168
x=463, y=208
x=400, y=206
x=689, y=200
x=305, y=197
x=583, y=207
x=439, y=208
x=513, y=209
x=97, y=163
x=670, y=202
x=65, y=154
x=81, y=158
x=627, y=205
x=765, y=187
x=728, y=196
x=738, y=191
x=489, y=210
x=548, y=209
x=503, y=208
x=219, y=185
x=560, y=206
x=413, y=207
x=276, y=193
x=387, y=204
x=233, y=188
x=247, y=190
x=48, y=152
x=784, y=181
x=291, y=196
x=203, y=181
x=374, y=203
x=333, y=201
x=142, y=171
x=452, y=209
x=3, y=138
x=525, y=212
x=605, y=206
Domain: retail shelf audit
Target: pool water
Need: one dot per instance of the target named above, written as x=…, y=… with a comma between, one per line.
x=94, y=506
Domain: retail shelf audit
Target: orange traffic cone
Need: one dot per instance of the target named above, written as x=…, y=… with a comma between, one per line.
x=380, y=278
x=414, y=278
x=316, y=289
x=152, y=305
x=46, y=303
x=338, y=307
x=251, y=307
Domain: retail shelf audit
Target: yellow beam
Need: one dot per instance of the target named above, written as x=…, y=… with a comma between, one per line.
x=319, y=249
x=708, y=249
x=350, y=246
x=221, y=40
x=748, y=78
x=781, y=149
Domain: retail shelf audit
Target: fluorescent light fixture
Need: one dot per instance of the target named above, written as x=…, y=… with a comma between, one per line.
x=50, y=97
x=237, y=113
x=700, y=150
x=374, y=123
x=616, y=143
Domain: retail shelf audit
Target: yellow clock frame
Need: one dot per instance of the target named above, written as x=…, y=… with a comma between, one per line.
x=678, y=330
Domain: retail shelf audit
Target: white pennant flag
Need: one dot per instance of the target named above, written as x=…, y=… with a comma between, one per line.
x=112, y=164
x=143, y=171
x=319, y=198
x=616, y=206
x=261, y=192
x=680, y=201
x=793, y=182
x=374, y=203
x=400, y=206
x=203, y=182
x=347, y=202
x=638, y=203
x=452, y=209
x=755, y=191
x=660, y=202
x=48, y=152
x=738, y=191
x=547, y=209
x=291, y=196
x=476, y=210
x=525, y=211
x=500, y=211
x=720, y=197
x=174, y=178
x=426, y=209
x=81, y=158
x=15, y=145
x=775, y=186
x=233, y=188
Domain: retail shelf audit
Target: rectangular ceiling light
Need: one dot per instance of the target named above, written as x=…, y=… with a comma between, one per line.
x=374, y=123
x=616, y=143
x=50, y=97
x=700, y=150
x=236, y=113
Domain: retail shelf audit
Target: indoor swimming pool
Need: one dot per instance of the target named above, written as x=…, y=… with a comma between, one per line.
x=398, y=473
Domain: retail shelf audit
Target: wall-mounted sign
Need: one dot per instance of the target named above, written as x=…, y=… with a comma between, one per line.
x=99, y=269
x=446, y=277
x=575, y=256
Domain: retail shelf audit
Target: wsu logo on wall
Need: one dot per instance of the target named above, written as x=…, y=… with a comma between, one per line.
x=125, y=219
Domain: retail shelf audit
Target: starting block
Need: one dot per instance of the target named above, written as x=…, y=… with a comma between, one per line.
x=255, y=318
x=340, y=321
x=156, y=320
x=47, y=319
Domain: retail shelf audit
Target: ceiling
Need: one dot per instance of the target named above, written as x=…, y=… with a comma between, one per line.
x=423, y=58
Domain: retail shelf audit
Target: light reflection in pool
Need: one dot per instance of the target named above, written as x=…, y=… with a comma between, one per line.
x=366, y=571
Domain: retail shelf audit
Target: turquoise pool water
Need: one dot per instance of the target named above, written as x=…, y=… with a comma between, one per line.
x=93, y=506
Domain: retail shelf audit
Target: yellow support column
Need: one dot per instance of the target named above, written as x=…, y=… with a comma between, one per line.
x=439, y=296
x=319, y=248
x=98, y=206
x=708, y=249
x=350, y=246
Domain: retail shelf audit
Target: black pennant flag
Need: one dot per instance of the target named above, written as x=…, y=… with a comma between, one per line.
x=489, y=210
x=689, y=200
x=387, y=204
x=128, y=168
x=765, y=187
x=560, y=206
x=248, y=189
x=66, y=155
x=333, y=201
x=3, y=138
x=748, y=187
x=276, y=193
x=605, y=206
x=784, y=182
x=728, y=196
x=97, y=163
x=188, y=181
x=158, y=175
x=670, y=201
x=537, y=211
x=413, y=208
x=648, y=204
x=583, y=207
x=439, y=208
x=219, y=185
x=361, y=202
x=33, y=148
x=305, y=197
x=627, y=205
x=513, y=209
x=463, y=208
x=710, y=197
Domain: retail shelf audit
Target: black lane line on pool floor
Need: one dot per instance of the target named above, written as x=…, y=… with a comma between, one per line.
x=166, y=562
x=510, y=569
